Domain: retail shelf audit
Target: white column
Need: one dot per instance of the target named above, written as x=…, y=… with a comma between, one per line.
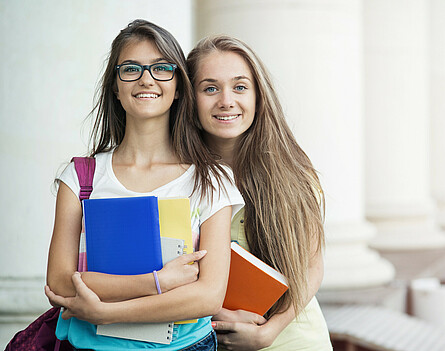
x=313, y=50
x=398, y=200
x=52, y=56
x=438, y=106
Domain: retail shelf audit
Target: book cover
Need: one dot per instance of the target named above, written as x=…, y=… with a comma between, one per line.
x=175, y=222
x=150, y=219
x=123, y=238
x=253, y=285
x=123, y=235
x=160, y=333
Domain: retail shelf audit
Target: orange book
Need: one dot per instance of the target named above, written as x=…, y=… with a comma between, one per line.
x=253, y=285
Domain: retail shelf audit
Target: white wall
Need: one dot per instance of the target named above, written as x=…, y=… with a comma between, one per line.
x=52, y=55
x=312, y=49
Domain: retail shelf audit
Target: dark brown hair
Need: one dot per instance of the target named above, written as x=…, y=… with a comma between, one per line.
x=109, y=125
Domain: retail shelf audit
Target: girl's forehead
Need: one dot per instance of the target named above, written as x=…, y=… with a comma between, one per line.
x=140, y=49
x=223, y=65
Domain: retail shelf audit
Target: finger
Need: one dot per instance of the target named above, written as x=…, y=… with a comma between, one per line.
x=223, y=326
x=191, y=269
x=223, y=340
x=48, y=293
x=195, y=256
x=249, y=317
x=78, y=283
x=193, y=266
x=55, y=300
x=259, y=320
x=67, y=314
x=223, y=315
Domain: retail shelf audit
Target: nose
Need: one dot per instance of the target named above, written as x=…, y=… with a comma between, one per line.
x=226, y=99
x=146, y=78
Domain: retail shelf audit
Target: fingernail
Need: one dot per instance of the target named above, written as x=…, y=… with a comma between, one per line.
x=213, y=324
x=203, y=252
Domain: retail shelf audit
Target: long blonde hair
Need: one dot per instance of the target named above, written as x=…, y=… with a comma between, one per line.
x=284, y=203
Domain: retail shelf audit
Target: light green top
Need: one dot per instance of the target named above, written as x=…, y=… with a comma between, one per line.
x=308, y=331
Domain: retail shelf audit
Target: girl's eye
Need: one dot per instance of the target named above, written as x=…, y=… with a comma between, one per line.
x=240, y=88
x=162, y=68
x=210, y=90
x=131, y=68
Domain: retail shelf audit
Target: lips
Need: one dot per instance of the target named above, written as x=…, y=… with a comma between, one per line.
x=226, y=117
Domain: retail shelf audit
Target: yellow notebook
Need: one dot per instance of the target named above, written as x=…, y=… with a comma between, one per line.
x=175, y=222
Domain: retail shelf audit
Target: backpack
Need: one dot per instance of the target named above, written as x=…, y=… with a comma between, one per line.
x=40, y=335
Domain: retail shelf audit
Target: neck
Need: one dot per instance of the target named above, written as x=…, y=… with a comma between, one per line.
x=223, y=147
x=147, y=142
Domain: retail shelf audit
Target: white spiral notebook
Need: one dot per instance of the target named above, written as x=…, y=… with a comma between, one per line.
x=150, y=332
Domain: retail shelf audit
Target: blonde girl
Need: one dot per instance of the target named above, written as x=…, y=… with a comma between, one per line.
x=242, y=122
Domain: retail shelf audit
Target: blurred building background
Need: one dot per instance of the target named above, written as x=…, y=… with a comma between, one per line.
x=362, y=83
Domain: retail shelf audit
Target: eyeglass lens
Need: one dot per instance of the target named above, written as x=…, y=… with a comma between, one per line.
x=159, y=71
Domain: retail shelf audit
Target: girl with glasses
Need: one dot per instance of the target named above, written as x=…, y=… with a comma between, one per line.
x=242, y=123
x=145, y=142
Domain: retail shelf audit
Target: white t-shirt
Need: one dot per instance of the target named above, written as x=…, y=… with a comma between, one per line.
x=106, y=185
x=82, y=335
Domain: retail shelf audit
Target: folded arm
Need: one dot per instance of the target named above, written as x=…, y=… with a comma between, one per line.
x=200, y=298
x=63, y=258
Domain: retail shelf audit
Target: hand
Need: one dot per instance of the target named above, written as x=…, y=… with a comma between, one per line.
x=85, y=305
x=180, y=271
x=240, y=330
x=239, y=316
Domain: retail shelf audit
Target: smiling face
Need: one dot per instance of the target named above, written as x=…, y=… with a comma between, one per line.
x=146, y=97
x=225, y=95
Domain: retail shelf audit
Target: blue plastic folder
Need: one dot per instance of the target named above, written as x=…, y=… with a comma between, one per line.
x=123, y=235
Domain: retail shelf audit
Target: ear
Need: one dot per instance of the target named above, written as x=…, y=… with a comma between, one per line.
x=176, y=95
x=117, y=94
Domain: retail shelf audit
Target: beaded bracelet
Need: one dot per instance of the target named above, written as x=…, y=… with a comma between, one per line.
x=158, y=287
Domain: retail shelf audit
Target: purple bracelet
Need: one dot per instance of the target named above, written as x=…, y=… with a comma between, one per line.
x=158, y=287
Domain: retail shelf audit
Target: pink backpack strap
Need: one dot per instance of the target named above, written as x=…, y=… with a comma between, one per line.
x=85, y=167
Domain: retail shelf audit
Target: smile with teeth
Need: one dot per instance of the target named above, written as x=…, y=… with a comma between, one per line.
x=226, y=118
x=150, y=96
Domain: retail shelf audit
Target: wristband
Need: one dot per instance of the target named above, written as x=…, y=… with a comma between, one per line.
x=158, y=287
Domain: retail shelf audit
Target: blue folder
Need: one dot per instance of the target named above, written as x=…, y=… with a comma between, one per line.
x=123, y=235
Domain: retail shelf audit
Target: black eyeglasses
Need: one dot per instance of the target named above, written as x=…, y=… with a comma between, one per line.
x=129, y=72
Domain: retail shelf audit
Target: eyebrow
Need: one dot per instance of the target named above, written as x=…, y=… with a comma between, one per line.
x=207, y=80
x=241, y=77
x=159, y=59
x=212, y=80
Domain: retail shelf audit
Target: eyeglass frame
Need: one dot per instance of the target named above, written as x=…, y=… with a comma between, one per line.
x=148, y=68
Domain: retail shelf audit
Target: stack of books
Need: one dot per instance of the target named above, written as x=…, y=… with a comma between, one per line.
x=136, y=235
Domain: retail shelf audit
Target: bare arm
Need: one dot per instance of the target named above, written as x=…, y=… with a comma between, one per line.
x=201, y=298
x=244, y=330
x=63, y=257
x=64, y=248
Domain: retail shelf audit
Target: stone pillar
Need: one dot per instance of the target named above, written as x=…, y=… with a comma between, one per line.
x=397, y=109
x=438, y=107
x=313, y=50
